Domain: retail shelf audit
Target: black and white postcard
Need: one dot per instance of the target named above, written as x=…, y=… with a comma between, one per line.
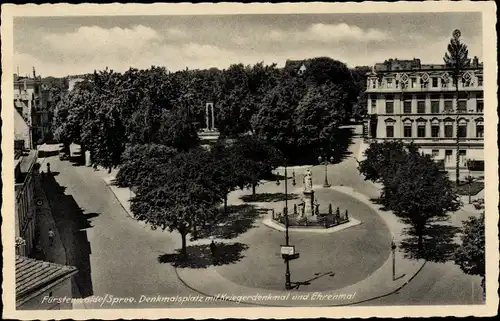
x=249, y=160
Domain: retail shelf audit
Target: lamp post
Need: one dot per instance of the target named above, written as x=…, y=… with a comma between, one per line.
x=393, y=249
x=325, y=162
x=288, y=283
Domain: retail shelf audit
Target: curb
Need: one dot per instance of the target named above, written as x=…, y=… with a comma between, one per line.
x=327, y=305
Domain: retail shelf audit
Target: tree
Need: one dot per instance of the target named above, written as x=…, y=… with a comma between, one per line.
x=318, y=116
x=255, y=159
x=274, y=121
x=359, y=76
x=226, y=169
x=71, y=113
x=382, y=159
x=418, y=193
x=456, y=59
x=139, y=160
x=235, y=103
x=470, y=255
x=104, y=130
x=178, y=195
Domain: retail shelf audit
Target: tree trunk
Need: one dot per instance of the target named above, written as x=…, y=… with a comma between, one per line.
x=420, y=241
x=183, y=248
x=225, y=204
x=253, y=190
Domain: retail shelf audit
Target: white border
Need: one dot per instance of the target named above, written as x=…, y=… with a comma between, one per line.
x=488, y=10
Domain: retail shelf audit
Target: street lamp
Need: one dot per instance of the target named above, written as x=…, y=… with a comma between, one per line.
x=288, y=283
x=325, y=162
x=393, y=249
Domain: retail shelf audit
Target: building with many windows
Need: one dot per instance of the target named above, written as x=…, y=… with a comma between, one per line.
x=33, y=101
x=25, y=174
x=411, y=101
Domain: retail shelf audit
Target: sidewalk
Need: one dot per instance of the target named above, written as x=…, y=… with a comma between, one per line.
x=55, y=253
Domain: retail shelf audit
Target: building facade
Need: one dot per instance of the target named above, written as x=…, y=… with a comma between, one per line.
x=414, y=102
x=32, y=100
x=25, y=173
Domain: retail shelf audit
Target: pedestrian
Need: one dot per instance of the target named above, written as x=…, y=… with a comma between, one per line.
x=48, y=168
x=51, y=236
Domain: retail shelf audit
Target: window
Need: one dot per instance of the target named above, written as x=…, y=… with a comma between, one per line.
x=435, y=131
x=480, y=131
x=448, y=131
x=434, y=82
x=448, y=105
x=421, y=130
x=421, y=107
x=374, y=105
x=480, y=106
x=389, y=107
x=413, y=82
x=461, y=155
x=389, y=82
x=462, y=130
x=435, y=153
x=462, y=105
x=447, y=155
x=407, y=130
x=479, y=80
x=374, y=83
x=389, y=131
x=435, y=107
x=407, y=107
x=423, y=84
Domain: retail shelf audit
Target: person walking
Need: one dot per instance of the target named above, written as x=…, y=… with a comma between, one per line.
x=51, y=236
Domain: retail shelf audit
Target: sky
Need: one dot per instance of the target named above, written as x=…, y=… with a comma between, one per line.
x=61, y=46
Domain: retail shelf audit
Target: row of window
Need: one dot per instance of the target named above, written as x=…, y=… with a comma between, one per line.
x=449, y=131
x=432, y=83
x=448, y=106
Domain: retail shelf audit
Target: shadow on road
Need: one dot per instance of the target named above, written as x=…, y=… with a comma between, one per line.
x=71, y=223
x=317, y=276
x=200, y=256
x=268, y=197
x=438, y=244
x=238, y=220
x=343, y=140
x=378, y=201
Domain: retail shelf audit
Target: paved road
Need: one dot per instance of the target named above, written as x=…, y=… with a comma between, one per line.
x=123, y=255
x=115, y=255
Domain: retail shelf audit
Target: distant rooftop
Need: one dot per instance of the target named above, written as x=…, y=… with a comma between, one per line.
x=34, y=275
x=415, y=64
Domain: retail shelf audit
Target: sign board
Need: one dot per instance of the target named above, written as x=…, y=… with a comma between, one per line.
x=290, y=257
x=287, y=250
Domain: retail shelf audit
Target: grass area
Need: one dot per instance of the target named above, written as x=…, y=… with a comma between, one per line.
x=463, y=188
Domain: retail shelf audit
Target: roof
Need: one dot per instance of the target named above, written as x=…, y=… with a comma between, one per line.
x=33, y=275
x=294, y=64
